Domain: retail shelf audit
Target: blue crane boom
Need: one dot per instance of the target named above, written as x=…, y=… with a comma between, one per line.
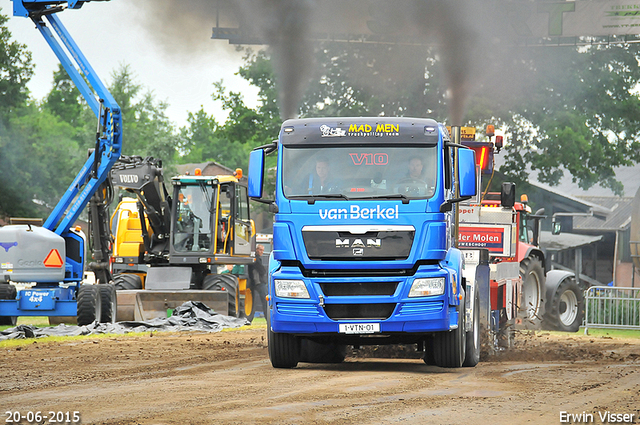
x=104, y=106
x=55, y=253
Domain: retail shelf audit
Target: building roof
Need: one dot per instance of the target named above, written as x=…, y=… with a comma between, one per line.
x=619, y=217
x=573, y=203
x=628, y=176
x=190, y=168
x=565, y=241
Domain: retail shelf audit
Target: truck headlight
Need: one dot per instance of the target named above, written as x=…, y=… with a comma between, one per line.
x=291, y=289
x=427, y=287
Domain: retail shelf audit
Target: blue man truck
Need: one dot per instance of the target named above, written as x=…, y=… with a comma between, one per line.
x=365, y=240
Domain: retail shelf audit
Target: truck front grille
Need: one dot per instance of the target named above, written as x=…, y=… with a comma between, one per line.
x=359, y=311
x=354, y=289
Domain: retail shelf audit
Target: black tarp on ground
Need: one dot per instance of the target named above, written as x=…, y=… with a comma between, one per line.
x=190, y=316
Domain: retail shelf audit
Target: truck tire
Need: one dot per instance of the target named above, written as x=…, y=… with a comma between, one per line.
x=224, y=282
x=8, y=292
x=284, y=349
x=127, y=281
x=109, y=301
x=316, y=352
x=428, y=356
x=565, y=310
x=532, y=305
x=89, y=304
x=449, y=346
x=472, y=352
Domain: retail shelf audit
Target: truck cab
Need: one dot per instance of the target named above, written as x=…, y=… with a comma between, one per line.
x=364, y=235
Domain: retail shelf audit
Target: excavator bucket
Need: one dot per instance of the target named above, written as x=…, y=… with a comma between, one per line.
x=146, y=304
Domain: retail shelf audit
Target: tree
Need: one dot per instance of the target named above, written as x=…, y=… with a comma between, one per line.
x=65, y=101
x=573, y=108
x=16, y=69
x=39, y=158
x=147, y=131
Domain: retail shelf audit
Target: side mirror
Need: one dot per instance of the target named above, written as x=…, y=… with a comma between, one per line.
x=256, y=173
x=556, y=227
x=508, y=195
x=467, y=172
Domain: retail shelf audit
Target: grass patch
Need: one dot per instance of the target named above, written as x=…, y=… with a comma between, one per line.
x=612, y=333
x=597, y=333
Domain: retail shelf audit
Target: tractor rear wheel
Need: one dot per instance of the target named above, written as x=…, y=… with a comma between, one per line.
x=532, y=306
x=566, y=308
x=89, y=304
x=8, y=292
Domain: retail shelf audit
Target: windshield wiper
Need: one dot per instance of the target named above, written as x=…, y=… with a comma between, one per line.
x=311, y=199
x=405, y=200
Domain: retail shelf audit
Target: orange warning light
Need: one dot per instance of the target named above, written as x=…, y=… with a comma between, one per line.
x=53, y=259
x=238, y=173
x=198, y=172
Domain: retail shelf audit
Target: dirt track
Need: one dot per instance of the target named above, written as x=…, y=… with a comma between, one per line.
x=227, y=378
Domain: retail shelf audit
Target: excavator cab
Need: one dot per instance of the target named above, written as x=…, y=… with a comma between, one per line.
x=210, y=221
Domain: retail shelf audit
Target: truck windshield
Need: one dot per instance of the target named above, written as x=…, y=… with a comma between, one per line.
x=352, y=172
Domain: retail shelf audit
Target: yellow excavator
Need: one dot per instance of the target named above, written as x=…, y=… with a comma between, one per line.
x=169, y=248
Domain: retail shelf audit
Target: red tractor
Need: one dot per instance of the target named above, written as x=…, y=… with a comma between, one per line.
x=549, y=299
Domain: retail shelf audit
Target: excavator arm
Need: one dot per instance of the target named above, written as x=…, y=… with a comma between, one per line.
x=144, y=177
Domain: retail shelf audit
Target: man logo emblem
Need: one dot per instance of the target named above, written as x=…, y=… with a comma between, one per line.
x=358, y=251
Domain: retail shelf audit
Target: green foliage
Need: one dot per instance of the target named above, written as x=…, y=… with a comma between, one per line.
x=147, y=131
x=64, y=99
x=573, y=109
x=16, y=70
x=40, y=157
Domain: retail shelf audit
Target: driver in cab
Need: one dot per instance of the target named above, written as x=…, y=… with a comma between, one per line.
x=414, y=182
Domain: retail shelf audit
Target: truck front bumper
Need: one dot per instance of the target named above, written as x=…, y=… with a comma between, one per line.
x=388, y=313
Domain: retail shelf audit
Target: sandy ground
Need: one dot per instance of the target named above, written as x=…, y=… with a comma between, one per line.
x=226, y=378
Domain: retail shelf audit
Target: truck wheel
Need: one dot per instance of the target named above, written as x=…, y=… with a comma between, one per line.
x=428, y=357
x=449, y=346
x=566, y=308
x=89, y=304
x=8, y=292
x=249, y=307
x=224, y=282
x=109, y=301
x=284, y=349
x=316, y=352
x=127, y=281
x=472, y=356
x=532, y=289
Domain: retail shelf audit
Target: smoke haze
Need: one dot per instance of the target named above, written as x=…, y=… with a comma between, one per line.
x=459, y=29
